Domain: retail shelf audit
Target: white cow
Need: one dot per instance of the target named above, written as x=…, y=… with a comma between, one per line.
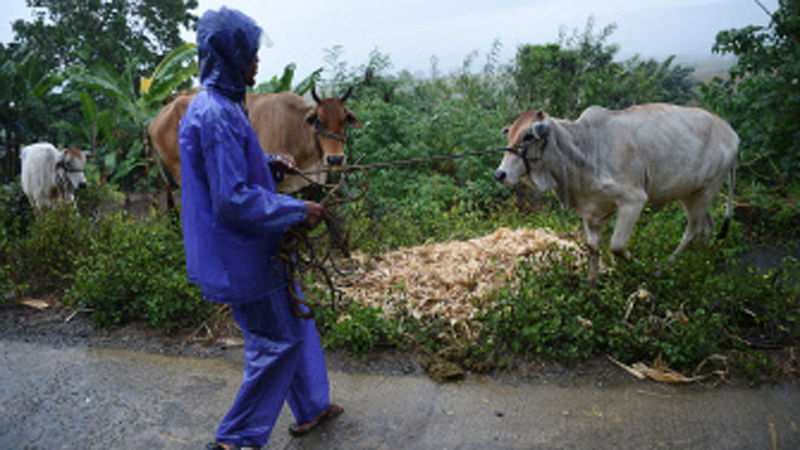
x=610, y=162
x=50, y=175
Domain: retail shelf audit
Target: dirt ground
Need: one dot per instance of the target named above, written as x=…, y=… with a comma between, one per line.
x=58, y=326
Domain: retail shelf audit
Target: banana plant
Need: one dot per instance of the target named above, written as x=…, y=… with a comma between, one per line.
x=178, y=67
x=284, y=83
x=104, y=92
x=127, y=108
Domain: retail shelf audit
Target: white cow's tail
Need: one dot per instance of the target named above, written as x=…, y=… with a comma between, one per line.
x=729, y=206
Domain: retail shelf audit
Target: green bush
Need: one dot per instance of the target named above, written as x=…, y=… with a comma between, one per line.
x=16, y=213
x=136, y=272
x=44, y=257
x=6, y=283
x=359, y=329
x=707, y=302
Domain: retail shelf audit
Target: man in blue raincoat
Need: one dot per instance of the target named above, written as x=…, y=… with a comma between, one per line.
x=233, y=220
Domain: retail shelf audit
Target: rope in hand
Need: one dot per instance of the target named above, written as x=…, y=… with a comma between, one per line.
x=298, y=238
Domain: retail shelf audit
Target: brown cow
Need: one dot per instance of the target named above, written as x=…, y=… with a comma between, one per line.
x=313, y=134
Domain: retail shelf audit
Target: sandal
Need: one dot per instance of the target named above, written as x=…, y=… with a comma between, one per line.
x=331, y=412
x=218, y=446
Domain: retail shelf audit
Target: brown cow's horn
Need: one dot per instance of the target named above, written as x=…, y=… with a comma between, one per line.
x=314, y=94
x=346, y=94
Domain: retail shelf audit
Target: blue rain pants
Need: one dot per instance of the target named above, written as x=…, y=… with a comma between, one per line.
x=283, y=361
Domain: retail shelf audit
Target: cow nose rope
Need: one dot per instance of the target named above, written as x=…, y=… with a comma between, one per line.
x=320, y=130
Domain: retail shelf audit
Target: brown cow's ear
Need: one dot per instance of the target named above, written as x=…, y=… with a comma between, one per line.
x=352, y=120
x=505, y=130
x=311, y=117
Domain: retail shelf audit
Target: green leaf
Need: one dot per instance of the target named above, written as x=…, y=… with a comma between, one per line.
x=308, y=82
x=47, y=84
x=88, y=107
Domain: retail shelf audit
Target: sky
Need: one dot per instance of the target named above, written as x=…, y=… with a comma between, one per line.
x=411, y=32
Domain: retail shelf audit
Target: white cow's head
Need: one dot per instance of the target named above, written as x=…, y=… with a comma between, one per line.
x=70, y=168
x=527, y=139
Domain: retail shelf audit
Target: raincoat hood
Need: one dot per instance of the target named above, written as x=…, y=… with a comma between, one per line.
x=227, y=42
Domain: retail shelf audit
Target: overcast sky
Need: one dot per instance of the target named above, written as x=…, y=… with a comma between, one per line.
x=412, y=31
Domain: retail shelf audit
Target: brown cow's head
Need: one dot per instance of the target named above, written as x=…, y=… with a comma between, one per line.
x=329, y=118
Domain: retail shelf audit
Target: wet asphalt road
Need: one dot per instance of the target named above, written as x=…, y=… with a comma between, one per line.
x=78, y=398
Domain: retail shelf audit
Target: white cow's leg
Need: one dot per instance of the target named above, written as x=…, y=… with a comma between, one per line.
x=627, y=215
x=593, y=230
x=699, y=223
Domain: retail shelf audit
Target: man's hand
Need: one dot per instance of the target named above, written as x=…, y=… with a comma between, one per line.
x=315, y=213
x=284, y=163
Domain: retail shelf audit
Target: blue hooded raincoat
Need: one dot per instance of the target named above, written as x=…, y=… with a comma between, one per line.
x=233, y=220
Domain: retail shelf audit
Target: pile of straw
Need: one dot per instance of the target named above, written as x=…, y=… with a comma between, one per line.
x=448, y=280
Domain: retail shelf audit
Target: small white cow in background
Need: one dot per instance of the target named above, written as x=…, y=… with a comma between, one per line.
x=609, y=162
x=50, y=175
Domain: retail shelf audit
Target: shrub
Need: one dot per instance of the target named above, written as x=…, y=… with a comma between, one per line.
x=16, y=213
x=136, y=272
x=44, y=258
x=359, y=329
x=707, y=302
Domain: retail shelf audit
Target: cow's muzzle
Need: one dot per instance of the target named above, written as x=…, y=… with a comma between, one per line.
x=334, y=160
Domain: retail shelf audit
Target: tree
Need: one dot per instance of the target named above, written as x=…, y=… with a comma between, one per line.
x=566, y=77
x=113, y=32
x=761, y=96
x=26, y=103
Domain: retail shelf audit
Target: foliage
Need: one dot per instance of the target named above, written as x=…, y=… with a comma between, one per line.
x=708, y=302
x=27, y=105
x=135, y=272
x=15, y=218
x=284, y=83
x=102, y=48
x=761, y=96
x=44, y=257
x=359, y=329
x=174, y=71
x=16, y=214
x=115, y=133
x=88, y=32
x=402, y=123
x=566, y=77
